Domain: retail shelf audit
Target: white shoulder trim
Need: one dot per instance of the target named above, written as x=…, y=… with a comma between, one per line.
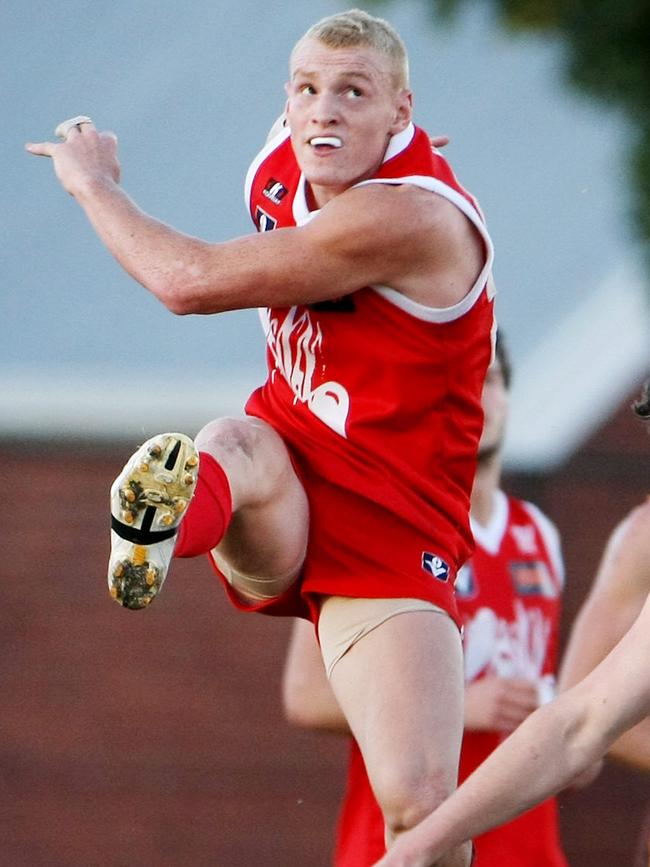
x=301, y=212
x=423, y=311
x=399, y=142
x=268, y=148
x=551, y=538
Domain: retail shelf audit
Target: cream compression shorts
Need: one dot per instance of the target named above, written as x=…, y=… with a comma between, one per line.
x=253, y=588
x=344, y=620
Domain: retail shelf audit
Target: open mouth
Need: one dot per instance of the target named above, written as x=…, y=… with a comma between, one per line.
x=325, y=142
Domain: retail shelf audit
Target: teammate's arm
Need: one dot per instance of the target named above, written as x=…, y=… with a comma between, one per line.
x=499, y=703
x=619, y=591
x=547, y=751
x=307, y=696
x=403, y=237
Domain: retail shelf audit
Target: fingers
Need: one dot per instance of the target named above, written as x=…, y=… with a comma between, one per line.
x=41, y=149
x=519, y=701
x=70, y=128
x=439, y=141
x=68, y=131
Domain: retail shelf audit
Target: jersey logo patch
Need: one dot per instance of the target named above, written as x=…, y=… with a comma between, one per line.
x=435, y=566
x=264, y=221
x=532, y=578
x=274, y=191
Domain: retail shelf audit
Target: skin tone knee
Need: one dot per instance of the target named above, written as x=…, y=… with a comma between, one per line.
x=411, y=804
x=267, y=535
x=251, y=454
x=407, y=797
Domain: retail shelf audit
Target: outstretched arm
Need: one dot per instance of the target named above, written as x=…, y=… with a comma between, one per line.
x=543, y=755
x=307, y=697
x=618, y=593
x=411, y=240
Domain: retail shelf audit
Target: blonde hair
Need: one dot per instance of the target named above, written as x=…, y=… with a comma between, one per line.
x=356, y=27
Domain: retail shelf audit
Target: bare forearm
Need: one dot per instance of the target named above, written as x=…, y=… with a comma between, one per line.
x=539, y=759
x=307, y=696
x=165, y=261
x=308, y=699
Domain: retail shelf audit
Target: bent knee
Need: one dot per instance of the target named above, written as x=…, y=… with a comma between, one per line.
x=251, y=453
x=407, y=797
x=231, y=435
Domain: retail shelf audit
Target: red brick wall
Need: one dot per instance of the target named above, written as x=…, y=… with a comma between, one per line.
x=139, y=739
x=155, y=738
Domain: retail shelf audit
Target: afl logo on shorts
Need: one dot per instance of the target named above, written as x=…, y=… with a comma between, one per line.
x=265, y=223
x=435, y=566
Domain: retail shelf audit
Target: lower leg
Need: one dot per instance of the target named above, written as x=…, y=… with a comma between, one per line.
x=249, y=510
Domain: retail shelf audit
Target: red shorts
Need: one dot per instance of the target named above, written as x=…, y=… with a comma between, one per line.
x=358, y=546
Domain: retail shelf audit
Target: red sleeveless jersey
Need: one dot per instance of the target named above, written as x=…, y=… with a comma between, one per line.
x=509, y=601
x=378, y=401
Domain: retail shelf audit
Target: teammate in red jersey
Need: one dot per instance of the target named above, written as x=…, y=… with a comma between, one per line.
x=344, y=495
x=551, y=748
x=509, y=602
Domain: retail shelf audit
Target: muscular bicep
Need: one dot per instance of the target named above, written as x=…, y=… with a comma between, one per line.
x=403, y=238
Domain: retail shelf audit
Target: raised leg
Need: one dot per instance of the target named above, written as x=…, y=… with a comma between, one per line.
x=247, y=504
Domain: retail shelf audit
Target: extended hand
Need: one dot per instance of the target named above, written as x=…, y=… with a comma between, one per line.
x=499, y=703
x=83, y=157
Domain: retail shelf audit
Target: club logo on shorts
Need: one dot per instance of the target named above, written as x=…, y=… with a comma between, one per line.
x=435, y=566
x=274, y=191
x=265, y=222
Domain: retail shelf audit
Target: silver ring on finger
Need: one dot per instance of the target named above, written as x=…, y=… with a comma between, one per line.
x=63, y=129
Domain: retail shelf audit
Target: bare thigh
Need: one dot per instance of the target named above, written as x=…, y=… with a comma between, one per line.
x=401, y=690
x=268, y=532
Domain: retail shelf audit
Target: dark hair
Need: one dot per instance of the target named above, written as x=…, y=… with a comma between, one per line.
x=642, y=406
x=502, y=356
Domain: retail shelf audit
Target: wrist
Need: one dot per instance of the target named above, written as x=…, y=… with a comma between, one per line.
x=92, y=187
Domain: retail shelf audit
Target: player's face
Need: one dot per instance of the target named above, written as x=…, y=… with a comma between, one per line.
x=343, y=108
x=495, y=411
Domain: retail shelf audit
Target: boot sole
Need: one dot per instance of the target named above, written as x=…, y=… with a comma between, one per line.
x=148, y=501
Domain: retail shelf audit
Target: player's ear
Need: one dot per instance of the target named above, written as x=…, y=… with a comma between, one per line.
x=403, y=111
